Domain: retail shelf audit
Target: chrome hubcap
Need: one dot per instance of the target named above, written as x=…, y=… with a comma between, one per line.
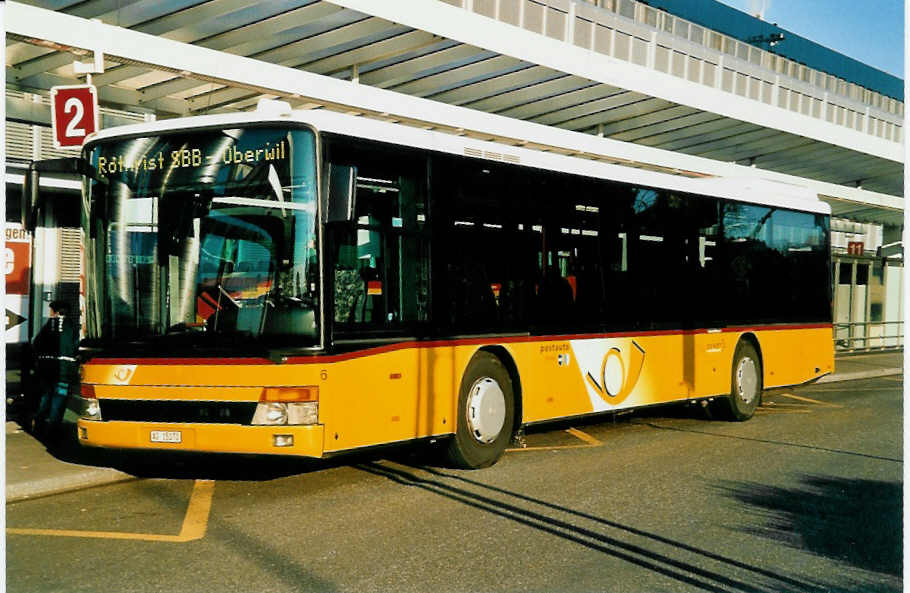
x=747, y=380
x=486, y=410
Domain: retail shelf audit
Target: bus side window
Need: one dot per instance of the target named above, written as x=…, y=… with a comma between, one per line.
x=381, y=273
x=349, y=290
x=707, y=280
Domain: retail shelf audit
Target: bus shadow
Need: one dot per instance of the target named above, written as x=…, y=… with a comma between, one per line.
x=852, y=521
x=686, y=564
x=183, y=465
x=671, y=411
x=245, y=467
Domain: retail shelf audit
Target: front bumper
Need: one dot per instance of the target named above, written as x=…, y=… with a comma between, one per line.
x=214, y=438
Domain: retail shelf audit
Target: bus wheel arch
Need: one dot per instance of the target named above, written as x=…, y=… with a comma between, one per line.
x=753, y=340
x=485, y=414
x=506, y=358
x=746, y=381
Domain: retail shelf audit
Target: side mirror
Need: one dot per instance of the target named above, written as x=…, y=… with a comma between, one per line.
x=31, y=194
x=29, y=200
x=341, y=193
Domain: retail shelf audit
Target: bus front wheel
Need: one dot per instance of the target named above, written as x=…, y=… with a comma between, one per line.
x=486, y=413
x=745, y=384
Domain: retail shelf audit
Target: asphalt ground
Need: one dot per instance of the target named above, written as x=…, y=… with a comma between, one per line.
x=804, y=497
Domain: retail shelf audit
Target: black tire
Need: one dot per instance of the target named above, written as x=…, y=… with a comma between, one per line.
x=481, y=438
x=745, y=385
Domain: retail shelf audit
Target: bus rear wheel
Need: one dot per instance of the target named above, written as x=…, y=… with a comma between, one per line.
x=486, y=413
x=745, y=385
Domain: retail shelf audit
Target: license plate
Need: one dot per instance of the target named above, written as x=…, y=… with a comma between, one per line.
x=166, y=436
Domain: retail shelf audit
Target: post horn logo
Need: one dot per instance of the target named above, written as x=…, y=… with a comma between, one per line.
x=123, y=373
x=619, y=373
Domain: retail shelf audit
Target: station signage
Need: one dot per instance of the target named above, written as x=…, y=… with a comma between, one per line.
x=17, y=260
x=74, y=114
x=17, y=267
x=856, y=247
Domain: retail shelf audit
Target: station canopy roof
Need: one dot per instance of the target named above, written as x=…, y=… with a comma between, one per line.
x=453, y=57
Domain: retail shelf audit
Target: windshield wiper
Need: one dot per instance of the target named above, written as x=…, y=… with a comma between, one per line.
x=184, y=328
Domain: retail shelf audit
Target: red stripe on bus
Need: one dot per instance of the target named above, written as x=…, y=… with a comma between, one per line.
x=187, y=361
x=323, y=358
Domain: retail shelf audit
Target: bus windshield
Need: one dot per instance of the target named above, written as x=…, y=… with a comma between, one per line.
x=203, y=238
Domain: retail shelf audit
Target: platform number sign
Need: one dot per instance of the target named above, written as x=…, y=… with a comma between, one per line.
x=856, y=247
x=74, y=114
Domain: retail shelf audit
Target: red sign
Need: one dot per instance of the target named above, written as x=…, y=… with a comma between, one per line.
x=16, y=264
x=855, y=247
x=74, y=114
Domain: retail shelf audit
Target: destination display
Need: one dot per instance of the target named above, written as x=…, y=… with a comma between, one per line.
x=189, y=158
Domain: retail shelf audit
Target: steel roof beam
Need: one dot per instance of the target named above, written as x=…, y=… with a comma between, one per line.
x=226, y=96
x=272, y=34
x=619, y=103
x=295, y=48
x=475, y=71
x=634, y=108
x=301, y=52
x=406, y=69
x=233, y=41
x=112, y=95
x=728, y=138
x=720, y=128
x=29, y=112
x=851, y=167
x=871, y=173
x=669, y=114
x=803, y=151
x=589, y=94
x=668, y=129
x=751, y=145
x=491, y=87
x=171, y=24
x=403, y=41
x=549, y=86
x=17, y=52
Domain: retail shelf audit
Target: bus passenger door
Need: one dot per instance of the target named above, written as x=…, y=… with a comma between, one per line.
x=379, y=297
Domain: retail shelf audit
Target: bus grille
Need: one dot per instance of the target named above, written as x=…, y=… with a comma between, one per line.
x=177, y=411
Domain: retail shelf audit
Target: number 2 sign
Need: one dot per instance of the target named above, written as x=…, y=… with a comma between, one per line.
x=74, y=114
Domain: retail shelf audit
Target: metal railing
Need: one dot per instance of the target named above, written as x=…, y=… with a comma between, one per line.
x=866, y=336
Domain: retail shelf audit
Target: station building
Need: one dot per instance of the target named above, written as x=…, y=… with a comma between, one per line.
x=689, y=86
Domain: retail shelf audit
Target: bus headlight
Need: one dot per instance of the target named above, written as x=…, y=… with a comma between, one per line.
x=91, y=409
x=303, y=413
x=281, y=413
x=271, y=413
x=280, y=406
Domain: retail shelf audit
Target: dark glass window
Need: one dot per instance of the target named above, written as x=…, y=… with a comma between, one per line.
x=777, y=264
x=845, y=276
x=489, y=242
x=13, y=203
x=381, y=262
x=862, y=274
x=520, y=250
x=526, y=250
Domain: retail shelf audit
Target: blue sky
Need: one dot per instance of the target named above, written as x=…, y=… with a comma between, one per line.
x=871, y=31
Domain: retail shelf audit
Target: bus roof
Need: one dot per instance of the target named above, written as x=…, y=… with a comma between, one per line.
x=747, y=189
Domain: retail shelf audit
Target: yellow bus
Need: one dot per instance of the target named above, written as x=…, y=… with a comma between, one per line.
x=311, y=283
